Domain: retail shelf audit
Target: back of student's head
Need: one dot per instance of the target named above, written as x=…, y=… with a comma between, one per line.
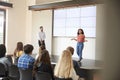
x=64, y=65
x=71, y=49
x=2, y=50
x=44, y=57
x=28, y=49
x=42, y=47
x=19, y=46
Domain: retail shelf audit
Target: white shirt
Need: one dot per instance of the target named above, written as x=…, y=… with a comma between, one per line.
x=42, y=36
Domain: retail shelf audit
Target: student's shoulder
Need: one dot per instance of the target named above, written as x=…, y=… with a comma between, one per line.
x=33, y=59
x=75, y=62
x=3, y=58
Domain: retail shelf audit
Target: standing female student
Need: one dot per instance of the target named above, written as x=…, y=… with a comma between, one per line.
x=80, y=43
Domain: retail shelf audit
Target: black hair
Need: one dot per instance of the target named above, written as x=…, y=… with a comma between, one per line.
x=81, y=30
x=28, y=48
x=2, y=50
x=41, y=27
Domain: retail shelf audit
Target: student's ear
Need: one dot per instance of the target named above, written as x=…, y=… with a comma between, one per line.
x=30, y=53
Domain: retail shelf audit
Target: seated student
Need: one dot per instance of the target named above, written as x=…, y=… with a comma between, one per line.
x=75, y=63
x=18, y=52
x=3, y=59
x=41, y=48
x=64, y=68
x=26, y=61
x=43, y=63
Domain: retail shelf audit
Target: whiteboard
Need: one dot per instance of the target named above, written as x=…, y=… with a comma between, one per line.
x=67, y=21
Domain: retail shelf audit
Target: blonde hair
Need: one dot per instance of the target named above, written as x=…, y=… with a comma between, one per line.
x=71, y=49
x=64, y=65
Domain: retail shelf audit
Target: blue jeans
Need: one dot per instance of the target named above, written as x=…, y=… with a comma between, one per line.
x=79, y=49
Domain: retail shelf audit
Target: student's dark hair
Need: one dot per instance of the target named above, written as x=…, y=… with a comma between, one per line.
x=19, y=46
x=81, y=30
x=42, y=47
x=2, y=50
x=44, y=57
x=28, y=48
x=71, y=49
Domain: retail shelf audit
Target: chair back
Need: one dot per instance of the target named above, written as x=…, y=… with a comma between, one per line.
x=10, y=58
x=16, y=60
x=25, y=74
x=2, y=70
x=14, y=72
x=43, y=76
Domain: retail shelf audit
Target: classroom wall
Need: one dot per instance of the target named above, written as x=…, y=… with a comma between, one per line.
x=19, y=24
x=100, y=32
x=111, y=41
x=23, y=25
x=43, y=18
x=28, y=32
x=58, y=44
x=16, y=23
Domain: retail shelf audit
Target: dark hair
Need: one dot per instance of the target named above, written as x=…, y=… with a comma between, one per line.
x=71, y=49
x=2, y=50
x=44, y=57
x=42, y=47
x=19, y=46
x=81, y=30
x=28, y=48
x=41, y=27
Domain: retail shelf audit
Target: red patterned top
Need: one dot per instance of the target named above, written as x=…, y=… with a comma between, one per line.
x=81, y=38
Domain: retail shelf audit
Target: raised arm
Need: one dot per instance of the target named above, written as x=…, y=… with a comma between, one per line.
x=74, y=39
